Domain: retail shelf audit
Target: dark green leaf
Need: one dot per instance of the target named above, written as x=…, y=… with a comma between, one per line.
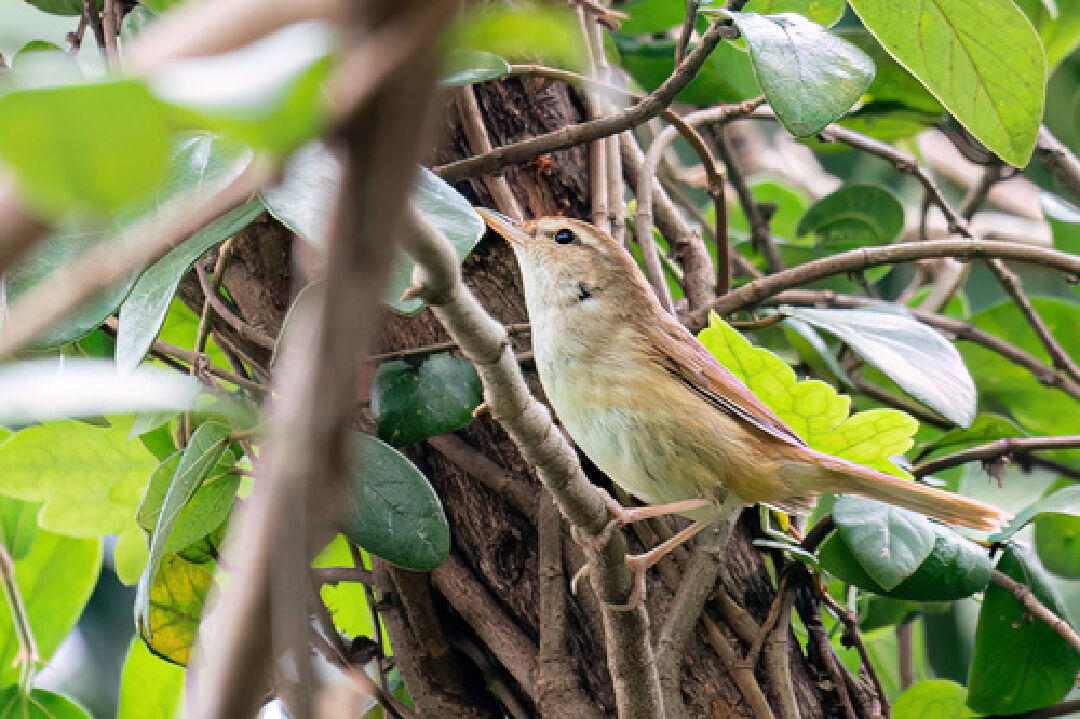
x=143, y=311
x=203, y=451
x=170, y=619
x=986, y=428
x=45, y=389
x=876, y=611
x=810, y=77
x=18, y=526
x=304, y=200
x=466, y=67
x=955, y=568
x=94, y=165
x=53, y=562
x=964, y=68
x=392, y=510
x=932, y=699
x=823, y=12
x=39, y=704
x=1064, y=501
x=1057, y=541
x=413, y=403
x=1020, y=663
x=726, y=76
x=853, y=216
x=889, y=542
x=922, y=362
x=451, y=214
x=150, y=687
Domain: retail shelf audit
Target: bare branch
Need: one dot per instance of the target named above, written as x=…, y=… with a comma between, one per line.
x=1007, y=447
x=1059, y=160
x=1026, y=597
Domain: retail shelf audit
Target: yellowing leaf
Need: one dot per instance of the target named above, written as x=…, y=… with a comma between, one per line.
x=176, y=603
x=816, y=411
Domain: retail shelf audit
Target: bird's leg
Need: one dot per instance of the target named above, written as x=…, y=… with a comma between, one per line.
x=622, y=516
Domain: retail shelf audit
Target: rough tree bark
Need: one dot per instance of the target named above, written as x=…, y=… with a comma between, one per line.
x=446, y=664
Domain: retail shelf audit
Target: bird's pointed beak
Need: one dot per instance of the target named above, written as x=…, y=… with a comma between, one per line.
x=510, y=229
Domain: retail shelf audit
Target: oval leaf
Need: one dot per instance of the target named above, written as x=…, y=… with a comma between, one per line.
x=922, y=362
x=170, y=619
x=810, y=77
x=853, y=216
x=992, y=80
x=38, y=704
x=1062, y=502
x=413, y=403
x=1007, y=637
x=393, y=511
x=889, y=542
x=465, y=67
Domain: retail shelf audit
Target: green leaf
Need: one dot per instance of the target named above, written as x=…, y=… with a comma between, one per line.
x=726, y=76
x=451, y=214
x=393, y=511
x=203, y=451
x=62, y=7
x=853, y=216
x=467, y=67
x=810, y=77
x=955, y=568
x=813, y=350
x=922, y=362
x=813, y=409
x=30, y=48
x=38, y=464
x=1057, y=541
x=45, y=389
x=894, y=89
x=18, y=526
x=823, y=12
x=1060, y=31
x=1020, y=663
x=304, y=200
x=651, y=16
x=142, y=313
x=521, y=31
x=889, y=542
x=932, y=699
x=411, y=404
x=268, y=94
x=1062, y=502
x=790, y=203
x=94, y=165
x=130, y=555
x=55, y=580
x=982, y=61
x=346, y=601
x=986, y=428
x=169, y=621
x=150, y=687
x=40, y=704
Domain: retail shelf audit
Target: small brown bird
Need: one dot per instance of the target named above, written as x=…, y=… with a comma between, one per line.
x=656, y=412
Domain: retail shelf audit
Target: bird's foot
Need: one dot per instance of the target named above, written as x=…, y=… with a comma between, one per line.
x=622, y=516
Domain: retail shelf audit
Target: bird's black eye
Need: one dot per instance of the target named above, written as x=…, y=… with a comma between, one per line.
x=564, y=236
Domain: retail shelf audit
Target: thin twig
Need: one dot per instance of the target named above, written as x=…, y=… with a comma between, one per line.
x=999, y=448
x=26, y=656
x=472, y=123
x=93, y=17
x=1026, y=597
x=1066, y=708
x=246, y=330
x=584, y=132
x=760, y=234
x=687, y=28
x=853, y=637
x=905, y=650
x=1059, y=160
x=203, y=331
x=110, y=29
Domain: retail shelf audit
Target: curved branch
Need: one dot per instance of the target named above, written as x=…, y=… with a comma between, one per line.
x=993, y=450
x=1059, y=160
x=1026, y=597
x=648, y=108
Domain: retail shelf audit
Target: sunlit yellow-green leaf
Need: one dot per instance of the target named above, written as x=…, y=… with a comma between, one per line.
x=175, y=608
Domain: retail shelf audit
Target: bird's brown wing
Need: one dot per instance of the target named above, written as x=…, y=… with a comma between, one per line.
x=689, y=362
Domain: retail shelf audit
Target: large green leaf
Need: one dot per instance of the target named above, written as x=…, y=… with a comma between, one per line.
x=169, y=621
x=69, y=153
x=150, y=687
x=982, y=60
x=853, y=216
x=451, y=214
x=922, y=362
x=89, y=479
x=392, y=510
x=142, y=313
x=39, y=704
x=810, y=77
x=1020, y=663
x=823, y=12
x=268, y=94
x=1060, y=31
x=954, y=568
x=45, y=389
x=413, y=403
x=813, y=409
x=932, y=699
x=894, y=88
x=55, y=578
x=198, y=458
x=889, y=542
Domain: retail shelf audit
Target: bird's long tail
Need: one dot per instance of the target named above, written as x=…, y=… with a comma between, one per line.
x=843, y=477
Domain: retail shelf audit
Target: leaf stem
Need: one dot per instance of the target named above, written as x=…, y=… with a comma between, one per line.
x=27, y=655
